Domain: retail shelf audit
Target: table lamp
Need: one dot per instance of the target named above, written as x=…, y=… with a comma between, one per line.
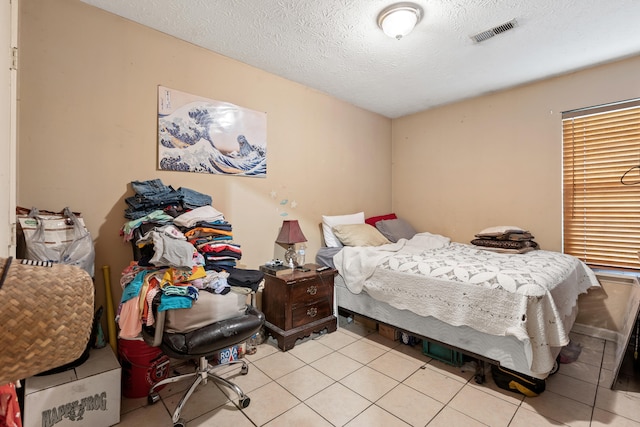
x=290, y=234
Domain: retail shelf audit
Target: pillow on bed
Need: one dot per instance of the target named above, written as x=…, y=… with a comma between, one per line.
x=395, y=229
x=359, y=235
x=374, y=219
x=328, y=222
x=499, y=231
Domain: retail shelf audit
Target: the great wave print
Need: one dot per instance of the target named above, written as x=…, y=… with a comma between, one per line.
x=206, y=136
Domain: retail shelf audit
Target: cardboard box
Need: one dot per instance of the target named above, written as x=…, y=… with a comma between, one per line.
x=365, y=321
x=86, y=395
x=389, y=332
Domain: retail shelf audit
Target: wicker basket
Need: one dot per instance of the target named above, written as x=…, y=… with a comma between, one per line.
x=46, y=315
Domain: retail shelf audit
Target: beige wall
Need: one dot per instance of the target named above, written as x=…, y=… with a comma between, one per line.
x=497, y=159
x=87, y=128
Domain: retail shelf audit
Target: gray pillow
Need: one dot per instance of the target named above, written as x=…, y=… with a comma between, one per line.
x=395, y=229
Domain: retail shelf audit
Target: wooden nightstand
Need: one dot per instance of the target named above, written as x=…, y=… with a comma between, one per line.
x=299, y=304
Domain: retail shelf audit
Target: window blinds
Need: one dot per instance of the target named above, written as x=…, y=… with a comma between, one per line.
x=601, y=213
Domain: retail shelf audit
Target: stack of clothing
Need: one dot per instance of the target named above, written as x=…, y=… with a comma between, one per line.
x=206, y=229
x=505, y=239
x=198, y=237
x=153, y=195
x=180, y=250
x=211, y=236
x=156, y=204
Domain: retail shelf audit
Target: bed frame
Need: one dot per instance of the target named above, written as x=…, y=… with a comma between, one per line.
x=506, y=351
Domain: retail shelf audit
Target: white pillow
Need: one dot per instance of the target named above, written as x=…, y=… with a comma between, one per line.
x=500, y=230
x=328, y=222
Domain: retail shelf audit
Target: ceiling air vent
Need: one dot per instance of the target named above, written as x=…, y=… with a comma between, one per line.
x=484, y=35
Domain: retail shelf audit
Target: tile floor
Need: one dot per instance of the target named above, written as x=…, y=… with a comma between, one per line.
x=355, y=377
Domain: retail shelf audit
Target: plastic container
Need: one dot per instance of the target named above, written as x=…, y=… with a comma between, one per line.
x=442, y=353
x=252, y=344
x=301, y=254
x=143, y=366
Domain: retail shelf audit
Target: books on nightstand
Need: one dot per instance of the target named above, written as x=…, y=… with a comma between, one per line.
x=275, y=270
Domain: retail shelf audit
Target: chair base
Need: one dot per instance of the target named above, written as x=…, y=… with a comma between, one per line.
x=203, y=373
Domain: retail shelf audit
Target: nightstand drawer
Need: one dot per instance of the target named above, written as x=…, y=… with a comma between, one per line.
x=298, y=304
x=310, y=290
x=308, y=313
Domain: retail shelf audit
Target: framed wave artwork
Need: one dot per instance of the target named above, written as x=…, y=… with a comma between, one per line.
x=197, y=134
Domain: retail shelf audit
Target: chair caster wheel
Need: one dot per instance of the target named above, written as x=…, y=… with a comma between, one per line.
x=244, y=370
x=181, y=423
x=153, y=398
x=244, y=402
x=479, y=379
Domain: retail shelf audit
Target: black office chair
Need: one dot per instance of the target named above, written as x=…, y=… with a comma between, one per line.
x=199, y=344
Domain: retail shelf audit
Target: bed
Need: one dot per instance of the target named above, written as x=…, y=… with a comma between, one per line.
x=511, y=310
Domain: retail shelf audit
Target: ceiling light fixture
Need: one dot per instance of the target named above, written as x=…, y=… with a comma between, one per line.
x=399, y=19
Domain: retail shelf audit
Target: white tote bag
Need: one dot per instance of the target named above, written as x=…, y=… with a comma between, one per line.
x=59, y=238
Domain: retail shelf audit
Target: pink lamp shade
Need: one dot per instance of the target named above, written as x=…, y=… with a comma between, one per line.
x=290, y=233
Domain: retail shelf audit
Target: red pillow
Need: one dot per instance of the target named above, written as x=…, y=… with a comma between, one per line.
x=372, y=221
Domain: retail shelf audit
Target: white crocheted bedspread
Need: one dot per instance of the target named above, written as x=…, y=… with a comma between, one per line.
x=524, y=295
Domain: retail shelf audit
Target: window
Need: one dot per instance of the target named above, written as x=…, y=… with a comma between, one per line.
x=601, y=184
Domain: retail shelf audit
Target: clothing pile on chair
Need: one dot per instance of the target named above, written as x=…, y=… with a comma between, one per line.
x=505, y=239
x=182, y=246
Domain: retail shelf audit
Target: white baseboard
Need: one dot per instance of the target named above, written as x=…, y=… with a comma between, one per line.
x=592, y=331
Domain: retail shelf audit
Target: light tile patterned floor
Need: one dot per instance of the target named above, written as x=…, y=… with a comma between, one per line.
x=354, y=377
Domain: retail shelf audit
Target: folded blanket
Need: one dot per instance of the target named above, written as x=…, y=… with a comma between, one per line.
x=507, y=236
x=356, y=268
x=507, y=251
x=505, y=244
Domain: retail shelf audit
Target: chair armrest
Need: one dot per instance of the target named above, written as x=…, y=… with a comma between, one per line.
x=158, y=329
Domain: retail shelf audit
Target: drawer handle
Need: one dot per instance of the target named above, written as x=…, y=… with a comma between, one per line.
x=312, y=290
x=312, y=312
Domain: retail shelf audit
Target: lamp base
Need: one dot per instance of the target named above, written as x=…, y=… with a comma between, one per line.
x=289, y=256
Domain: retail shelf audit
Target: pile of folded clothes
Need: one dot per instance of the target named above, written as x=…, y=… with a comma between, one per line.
x=152, y=195
x=202, y=229
x=182, y=246
x=505, y=239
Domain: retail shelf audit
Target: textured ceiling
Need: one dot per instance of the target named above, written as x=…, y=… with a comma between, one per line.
x=336, y=47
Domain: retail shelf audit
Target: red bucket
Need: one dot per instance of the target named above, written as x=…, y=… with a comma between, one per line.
x=143, y=366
